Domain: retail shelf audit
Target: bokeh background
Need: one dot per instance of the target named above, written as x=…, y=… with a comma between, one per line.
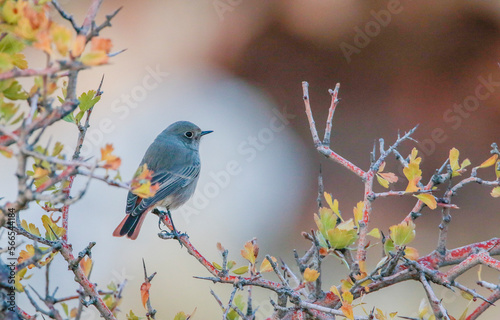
x=236, y=67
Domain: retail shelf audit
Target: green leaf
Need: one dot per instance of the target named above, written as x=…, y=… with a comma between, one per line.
x=19, y=60
x=65, y=308
x=57, y=149
x=112, y=286
x=6, y=63
x=179, y=316
x=217, y=266
x=240, y=304
x=388, y=246
x=403, y=233
x=70, y=118
x=88, y=100
x=241, y=270
x=132, y=316
x=11, y=45
x=7, y=110
x=79, y=116
x=15, y=92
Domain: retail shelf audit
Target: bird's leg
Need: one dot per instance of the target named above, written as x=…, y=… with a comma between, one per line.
x=175, y=234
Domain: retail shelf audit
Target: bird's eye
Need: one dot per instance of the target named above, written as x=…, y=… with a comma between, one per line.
x=189, y=134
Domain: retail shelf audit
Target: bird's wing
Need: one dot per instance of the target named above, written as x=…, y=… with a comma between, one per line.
x=169, y=182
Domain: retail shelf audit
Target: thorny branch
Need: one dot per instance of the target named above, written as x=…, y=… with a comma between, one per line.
x=36, y=123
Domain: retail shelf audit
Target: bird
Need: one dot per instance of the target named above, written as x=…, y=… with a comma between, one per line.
x=175, y=161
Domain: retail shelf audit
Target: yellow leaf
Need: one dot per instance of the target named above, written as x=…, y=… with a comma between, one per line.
x=61, y=37
x=491, y=161
x=51, y=227
x=250, y=251
x=413, y=156
x=383, y=182
x=17, y=279
x=94, y=58
x=466, y=295
x=146, y=190
x=346, y=285
x=413, y=185
x=358, y=212
x=403, y=233
x=454, y=153
x=428, y=199
x=413, y=174
x=347, y=311
x=347, y=297
x=335, y=291
x=465, y=163
x=310, y=275
x=86, y=264
x=31, y=228
x=334, y=205
x=265, y=266
x=497, y=169
x=411, y=253
x=375, y=232
x=6, y=152
x=26, y=254
x=145, y=293
x=495, y=193
x=40, y=172
x=479, y=270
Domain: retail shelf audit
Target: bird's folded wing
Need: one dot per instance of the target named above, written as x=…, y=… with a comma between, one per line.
x=169, y=182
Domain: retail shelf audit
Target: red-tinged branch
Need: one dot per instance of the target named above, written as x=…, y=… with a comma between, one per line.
x=324, y=147
x=24, y=315
x=218, y=276
x=470, y=262
x=332, y=155
x=88, y=287
x=495, y=296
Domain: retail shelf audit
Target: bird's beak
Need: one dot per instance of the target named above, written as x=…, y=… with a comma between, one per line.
x=206, y=132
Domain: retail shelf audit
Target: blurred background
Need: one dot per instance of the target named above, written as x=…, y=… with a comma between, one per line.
x=236, y=67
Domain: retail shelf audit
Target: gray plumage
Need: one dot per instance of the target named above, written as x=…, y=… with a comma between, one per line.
x=175, y=161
